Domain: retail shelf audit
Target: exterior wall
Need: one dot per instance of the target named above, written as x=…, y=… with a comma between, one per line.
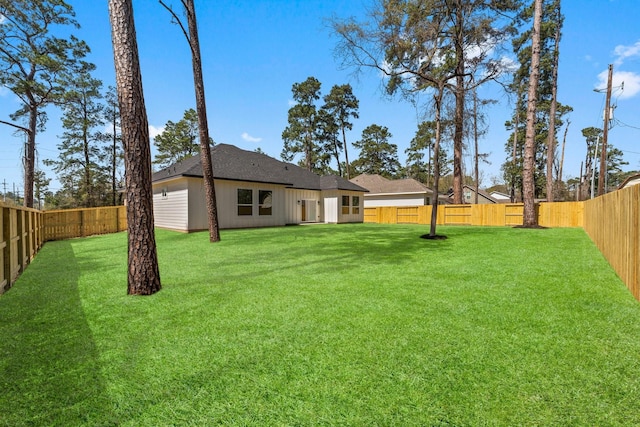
x=179, y=204
x=227, y=201
x=353, y=215
x=183, y=208
x=634, y=181
x=331, y=209
x=469, y=196
x=293, y=203
x=376, y=200
x=170, y=204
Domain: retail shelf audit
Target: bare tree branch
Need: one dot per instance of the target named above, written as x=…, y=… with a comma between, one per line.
x=176, y=20
x=16, y=126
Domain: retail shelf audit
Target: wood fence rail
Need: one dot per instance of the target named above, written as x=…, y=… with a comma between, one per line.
x=23, y=231
x=612, y=222
x=21, y=238
x=70, y=223
x=564, y=214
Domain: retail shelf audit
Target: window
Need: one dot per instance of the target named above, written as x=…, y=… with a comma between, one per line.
x=345, y=205
x=245, y=202
x=265, y=202
x=355, y=203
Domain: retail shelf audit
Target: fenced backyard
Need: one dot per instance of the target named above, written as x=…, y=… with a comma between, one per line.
x=352, y=325
x=357, y=324
x=24, y=231
x=612, y=222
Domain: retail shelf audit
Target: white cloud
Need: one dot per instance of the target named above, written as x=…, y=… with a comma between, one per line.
x=155, y=131
x=291, y=103
x=623, y=52
x=630, y=80
x=250, y=138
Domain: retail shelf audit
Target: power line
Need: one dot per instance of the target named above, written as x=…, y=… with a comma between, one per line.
x=618, y=122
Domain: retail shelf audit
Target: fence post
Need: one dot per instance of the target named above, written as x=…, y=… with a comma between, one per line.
x=5, y=268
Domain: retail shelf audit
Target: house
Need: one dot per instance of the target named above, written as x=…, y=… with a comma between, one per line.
x=631, y=180
x=469, y=196
x=500, y=197
x=387, y=192
x=252, y=190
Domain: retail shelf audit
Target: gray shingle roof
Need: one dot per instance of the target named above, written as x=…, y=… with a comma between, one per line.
x=380, y=185
x=232, y=163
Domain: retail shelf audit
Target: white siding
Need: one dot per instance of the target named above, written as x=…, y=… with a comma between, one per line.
x=378, y=200
x=183, y=207
x=170, y=200
x=198, y=217
x=293, y=203
x=331, y=210
x=348, y=217
x=227, y=201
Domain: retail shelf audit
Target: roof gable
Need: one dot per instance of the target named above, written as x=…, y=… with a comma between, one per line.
x=377, y=184
x=232, y=163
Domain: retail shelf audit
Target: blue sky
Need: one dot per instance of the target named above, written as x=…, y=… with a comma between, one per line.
x=253, y=51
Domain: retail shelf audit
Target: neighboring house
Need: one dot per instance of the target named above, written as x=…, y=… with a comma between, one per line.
x=632, y=180
x=468, y=196
x=500, y=197
x=252, y=190
x=387, y=192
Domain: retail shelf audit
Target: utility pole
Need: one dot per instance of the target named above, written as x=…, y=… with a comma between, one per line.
x=4, y=191
x=593, y=170
x=605, y=134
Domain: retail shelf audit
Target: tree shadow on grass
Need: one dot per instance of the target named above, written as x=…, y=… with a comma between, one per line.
x=50, y=363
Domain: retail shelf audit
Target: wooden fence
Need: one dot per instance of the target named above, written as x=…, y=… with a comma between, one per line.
x=613, y=223
x=70, y=223
x=21, y=237
x=24, y=231
x=565, y=214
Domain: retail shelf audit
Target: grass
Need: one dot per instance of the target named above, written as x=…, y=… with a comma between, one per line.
x=324, y=325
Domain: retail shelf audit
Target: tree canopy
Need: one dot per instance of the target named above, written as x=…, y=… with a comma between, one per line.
x=377, y=154
x=179, y=140
x=32, y=62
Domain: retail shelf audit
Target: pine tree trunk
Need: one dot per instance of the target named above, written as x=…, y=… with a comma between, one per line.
x=551, y=141
x=30, y=156
x=459, y=111
x=530, y=219
x=436, y=161
x=144, y=275
x=203, y=126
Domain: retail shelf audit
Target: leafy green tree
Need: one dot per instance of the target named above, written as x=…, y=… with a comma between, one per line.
x=549, y=115
x=377, y=154
x=299, y=135
x=41, y=186
x=31, y=62
x=417, y=168
x=81, y=144
x=615, y=161
x=113, y=152
x=432, y=46
x=179, y=140
x=420, y=46
x=328, y=144
x=342, y=105
x=592, y=137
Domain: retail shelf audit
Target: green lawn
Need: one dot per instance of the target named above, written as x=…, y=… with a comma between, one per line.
x=324, y=325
